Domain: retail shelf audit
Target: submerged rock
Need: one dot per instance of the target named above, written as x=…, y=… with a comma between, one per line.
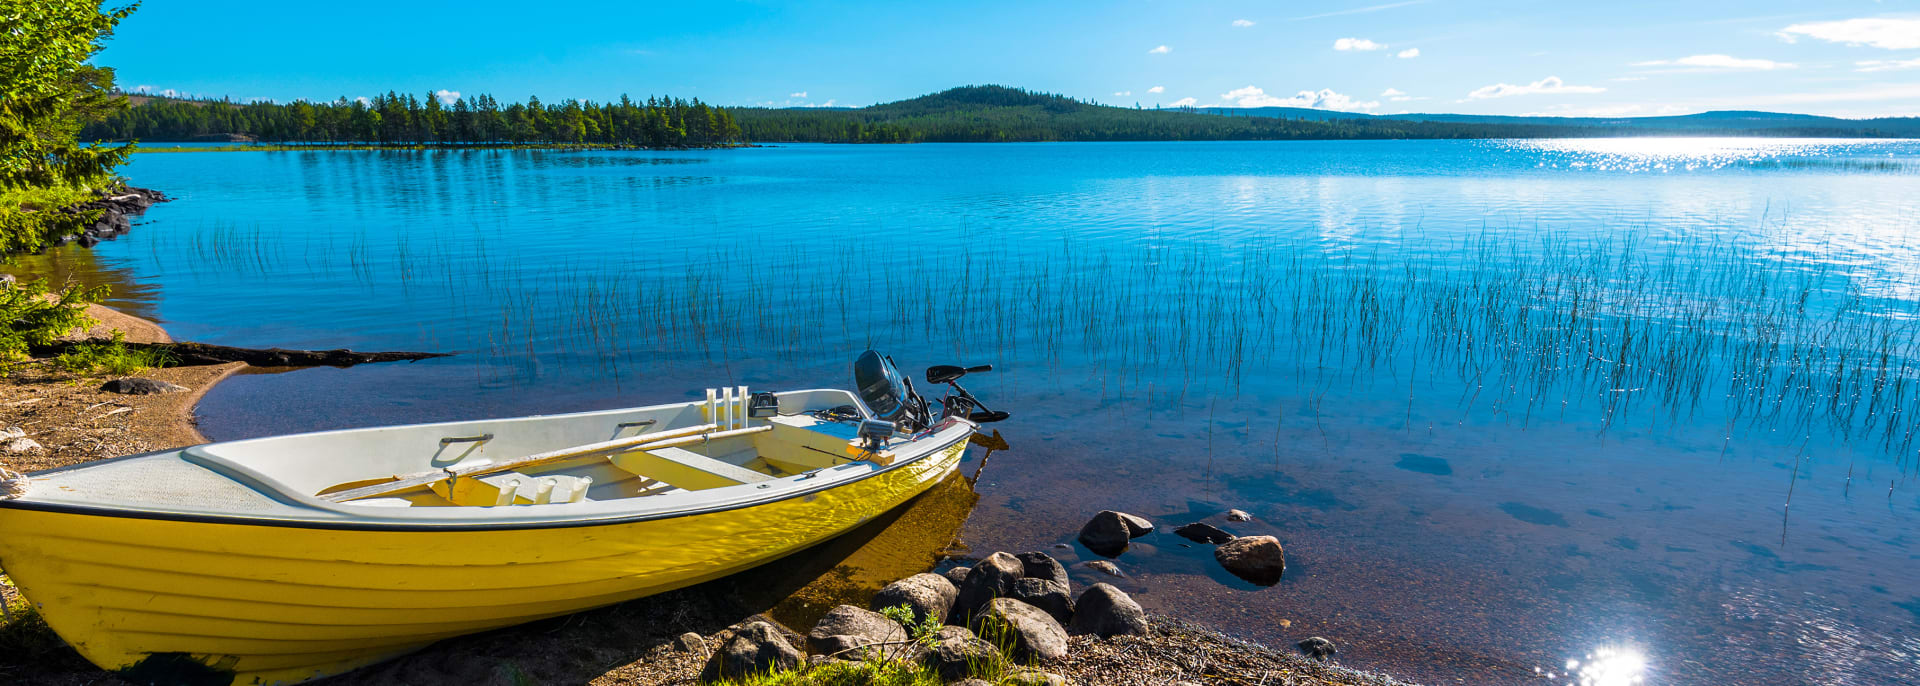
x=1030, y=632
x=1202, y=532
x=928, y=595
x=846, y=627
x=1105, y=611
x=1257, y=559
x=1316, y=647
x=134, y=385
x=1051, y=597
x=991, y=578
x=1107, y=533
x=1105, y=567
x=1238, y=516
x=755, y=649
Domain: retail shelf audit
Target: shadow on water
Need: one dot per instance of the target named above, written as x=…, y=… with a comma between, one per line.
x=795, y=590
x=127, y=292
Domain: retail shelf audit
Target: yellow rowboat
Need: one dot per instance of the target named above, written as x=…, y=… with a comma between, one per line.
x=278, y=560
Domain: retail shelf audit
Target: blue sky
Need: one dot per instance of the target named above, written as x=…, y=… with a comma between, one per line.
x=1621, y=57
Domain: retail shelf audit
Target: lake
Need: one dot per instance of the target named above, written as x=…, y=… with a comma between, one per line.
x=1520, y=411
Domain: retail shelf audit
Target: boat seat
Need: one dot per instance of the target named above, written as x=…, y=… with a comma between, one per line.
x=686, y=469
x=513, y=488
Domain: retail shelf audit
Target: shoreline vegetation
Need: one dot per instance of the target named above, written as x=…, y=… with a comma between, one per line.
x=968, y=114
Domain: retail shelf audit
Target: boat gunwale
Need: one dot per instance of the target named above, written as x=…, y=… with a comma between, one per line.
x=400, y=526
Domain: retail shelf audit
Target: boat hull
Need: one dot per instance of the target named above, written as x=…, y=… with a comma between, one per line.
x=264, y=603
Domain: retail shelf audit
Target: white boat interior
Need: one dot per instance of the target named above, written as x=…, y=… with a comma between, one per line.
x=660, y=460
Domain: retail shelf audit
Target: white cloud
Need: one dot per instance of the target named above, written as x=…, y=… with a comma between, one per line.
x=797, y=94
x=1162, y=50
x=1184, y=102
x=363, y=100
x=828, y=103
x=142, y=89
x=1123, y=93
x=1242, y=23
x=1879, y=32
x=1628, y=78
x=1718, y=62
x=446, y=97
x=1157, y=89
x=1551, y=84
x=1887, y=65
x=1323, y=99
x=1408, y=53
x=1397, y=95
x=1346, y=44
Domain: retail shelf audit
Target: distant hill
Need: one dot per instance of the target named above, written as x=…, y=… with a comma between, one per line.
x=1721, y=122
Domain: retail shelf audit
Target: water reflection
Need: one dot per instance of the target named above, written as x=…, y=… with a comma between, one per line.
x=1609, y=666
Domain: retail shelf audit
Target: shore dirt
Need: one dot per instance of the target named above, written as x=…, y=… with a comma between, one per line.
x=630, y=644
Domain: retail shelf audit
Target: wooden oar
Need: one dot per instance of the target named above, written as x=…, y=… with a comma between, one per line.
x=675, y=437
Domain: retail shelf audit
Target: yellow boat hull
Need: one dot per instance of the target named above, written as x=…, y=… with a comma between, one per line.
x=279, y=604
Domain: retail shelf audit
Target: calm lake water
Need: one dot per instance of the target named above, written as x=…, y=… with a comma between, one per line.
x=1521, y=412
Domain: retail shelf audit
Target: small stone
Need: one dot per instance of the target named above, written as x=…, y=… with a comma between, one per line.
x=1183, y=683
x=957, y=575
x=928, y=595
x=1238, y=516
x=134, y=385
x=1050, y=596
x=1317, y=648
x=1107, y=533
x=690, y=643
x=1202, y=532
x=971, y=682
x=1106, y=611
x=17, y=446
x=12, y=432
x=1032, y=633
x=755, y=649
x=1257, y=559
x=1105, y=567
x=1034, y=677
x=991, y=578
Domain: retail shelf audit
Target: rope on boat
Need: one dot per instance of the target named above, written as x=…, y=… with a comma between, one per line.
x=12, y=484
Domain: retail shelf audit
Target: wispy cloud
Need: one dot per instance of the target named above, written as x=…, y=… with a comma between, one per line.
x=1183, y=102
x=1408, y=53
x=1717, y=62
x=1157, y=89
x=1628, y=78
x=1360, y=10
x=797, y=94
x=1887, y=65
x=446, y=97
x=1323, y=99
x=1161, y=50
x=1397, y=95
x=1123, y=93
x=1549, y=85
x=1242, y=23
x=1361, y=44
x=1879, y=32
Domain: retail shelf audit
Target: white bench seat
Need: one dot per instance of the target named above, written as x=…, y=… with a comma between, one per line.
x=686, y=469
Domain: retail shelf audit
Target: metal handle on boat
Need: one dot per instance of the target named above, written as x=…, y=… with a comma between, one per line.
x=450, y=440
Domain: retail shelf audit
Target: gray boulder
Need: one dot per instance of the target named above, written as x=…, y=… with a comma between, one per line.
x=1039, y=565
x=1106, y=611
x=756, y=648
x=1107, y=533
x=991, y=578
x=1029, y=632
x=1052, y=598
x=134, y=385
x=846, y=627
x=1034, y=677
x=928, y=595
x=1202, y=532
x=957, y=575
x=1257, y=559
x=690, y=643
x=956, y=653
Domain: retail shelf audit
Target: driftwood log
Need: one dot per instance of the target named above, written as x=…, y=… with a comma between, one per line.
x=188, y=354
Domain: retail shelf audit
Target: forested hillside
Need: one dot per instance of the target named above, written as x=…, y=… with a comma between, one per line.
x=396, y=119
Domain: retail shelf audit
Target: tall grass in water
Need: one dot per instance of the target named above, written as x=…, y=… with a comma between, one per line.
x=1730, y=326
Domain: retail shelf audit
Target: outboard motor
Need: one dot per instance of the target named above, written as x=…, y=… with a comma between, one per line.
x=888, y=393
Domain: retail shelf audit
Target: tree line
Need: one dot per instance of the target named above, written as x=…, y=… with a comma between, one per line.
x=404, y=119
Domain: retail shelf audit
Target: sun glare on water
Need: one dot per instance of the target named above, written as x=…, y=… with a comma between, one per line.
x=1606, y=666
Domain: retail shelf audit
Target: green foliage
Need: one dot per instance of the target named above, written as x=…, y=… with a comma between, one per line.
x=405, y=120
x=48, y=92
x=36, y=316
x=922, y=631
x=32, y=218
x=111, y=357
